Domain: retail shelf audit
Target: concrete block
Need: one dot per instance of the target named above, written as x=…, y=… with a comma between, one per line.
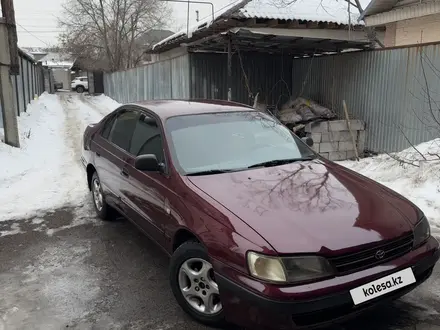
x=361, y=138
x=316, y=137
x=337, y=125
x=357, y=125
x=337, y=155
x=324, y=154
x=315, y=147
x=336, y=136
x=345, y=146
x=317, y=127
x=351, y=154
x=328, y=147
x=341, y=125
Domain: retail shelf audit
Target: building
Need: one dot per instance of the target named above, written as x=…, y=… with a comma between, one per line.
x=61, y=65
x=150, y=38
x=301, y=27
x=407, y=22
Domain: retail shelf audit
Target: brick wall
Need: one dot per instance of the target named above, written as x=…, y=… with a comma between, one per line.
x=413, y=31
x=332, y=139
x=390, y=35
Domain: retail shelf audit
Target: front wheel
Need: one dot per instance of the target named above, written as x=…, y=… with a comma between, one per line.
x=192, y=280
x=80, y=89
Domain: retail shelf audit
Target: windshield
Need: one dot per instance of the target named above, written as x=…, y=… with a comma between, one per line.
x=230, y=141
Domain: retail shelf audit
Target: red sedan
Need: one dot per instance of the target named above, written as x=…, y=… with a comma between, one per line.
x=262, y=231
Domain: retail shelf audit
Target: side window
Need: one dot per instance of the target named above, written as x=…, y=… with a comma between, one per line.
x=108, y=127
x=147, y=138
x=123, y=128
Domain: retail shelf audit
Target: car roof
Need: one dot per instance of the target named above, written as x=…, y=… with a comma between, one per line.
x=170, y=108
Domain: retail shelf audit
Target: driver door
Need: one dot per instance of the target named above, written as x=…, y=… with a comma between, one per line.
x=146, y=196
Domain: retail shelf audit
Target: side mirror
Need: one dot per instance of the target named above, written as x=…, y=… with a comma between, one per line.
x=147, y=163
x=308, y=140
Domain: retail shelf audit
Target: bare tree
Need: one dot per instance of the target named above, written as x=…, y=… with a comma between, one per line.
x=107, y=33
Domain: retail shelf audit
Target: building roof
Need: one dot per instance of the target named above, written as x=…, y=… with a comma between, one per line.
x=154, y=36
x=329, y=11
x=60, y=60
x=382, y=12
x=378, y=6
x=309, y=10
x=170, y=108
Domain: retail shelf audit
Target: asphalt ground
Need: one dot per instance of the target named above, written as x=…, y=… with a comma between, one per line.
x=69, y=270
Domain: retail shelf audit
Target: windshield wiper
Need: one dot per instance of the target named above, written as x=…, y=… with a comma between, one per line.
x=278, y=162
x=209, y=172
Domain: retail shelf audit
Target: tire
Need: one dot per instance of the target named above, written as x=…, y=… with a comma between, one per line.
x=101, y=207
x=190, y=253
x=80, y=89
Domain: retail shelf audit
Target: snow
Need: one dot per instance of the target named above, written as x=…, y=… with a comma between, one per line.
x=45, y=173
x=335, y=11
x=420, y=183
x=309, y=10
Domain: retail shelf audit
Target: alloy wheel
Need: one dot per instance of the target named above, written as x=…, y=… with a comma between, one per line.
x=97, y=194
x=198, y=286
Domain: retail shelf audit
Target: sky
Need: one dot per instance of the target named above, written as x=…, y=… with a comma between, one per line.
x=37, y=23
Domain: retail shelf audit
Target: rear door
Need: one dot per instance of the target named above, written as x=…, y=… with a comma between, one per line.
x=112, y=153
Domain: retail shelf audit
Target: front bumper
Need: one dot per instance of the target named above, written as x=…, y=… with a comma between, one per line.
x=248, y=308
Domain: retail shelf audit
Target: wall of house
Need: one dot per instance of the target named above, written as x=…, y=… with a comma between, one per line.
x=62, y=75
x=413, y=31
x=172, y=53
x=384, y=88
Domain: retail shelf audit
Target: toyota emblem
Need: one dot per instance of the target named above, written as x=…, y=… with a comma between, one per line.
x=379, y=254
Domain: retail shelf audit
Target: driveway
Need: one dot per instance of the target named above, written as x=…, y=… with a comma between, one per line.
x=69, y=270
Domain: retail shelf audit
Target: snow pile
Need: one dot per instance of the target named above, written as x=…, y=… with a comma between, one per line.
x=414, y=173
x=33, y=176
x=46, y=172
x=103, y=101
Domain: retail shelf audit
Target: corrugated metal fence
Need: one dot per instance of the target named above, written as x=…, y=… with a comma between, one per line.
x=29, y=83
x=268, y=75
x=389, y=89
x=167, y=79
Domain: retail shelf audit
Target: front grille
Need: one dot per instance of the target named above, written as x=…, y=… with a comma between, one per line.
x=367, y=258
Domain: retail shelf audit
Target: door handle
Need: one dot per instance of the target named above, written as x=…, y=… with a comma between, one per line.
x=124, y=172
x=98, y=154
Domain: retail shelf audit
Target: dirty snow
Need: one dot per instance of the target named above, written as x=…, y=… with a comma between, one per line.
x=408, y=173
x=46, y=173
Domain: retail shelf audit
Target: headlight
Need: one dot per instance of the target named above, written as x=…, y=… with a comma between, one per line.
x=266, y=268
x=422, y=231
x=288, y=270
x=307, y=268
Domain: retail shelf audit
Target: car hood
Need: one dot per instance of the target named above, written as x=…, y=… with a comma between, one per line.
x=312, y=206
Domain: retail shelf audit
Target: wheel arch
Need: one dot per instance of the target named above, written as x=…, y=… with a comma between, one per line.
x=90, y=170
x=183, y=235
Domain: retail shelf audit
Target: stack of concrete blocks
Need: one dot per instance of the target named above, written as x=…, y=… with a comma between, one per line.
x=333, y=140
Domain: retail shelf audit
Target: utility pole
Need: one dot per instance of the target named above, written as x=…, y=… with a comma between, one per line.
x=8, y=66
